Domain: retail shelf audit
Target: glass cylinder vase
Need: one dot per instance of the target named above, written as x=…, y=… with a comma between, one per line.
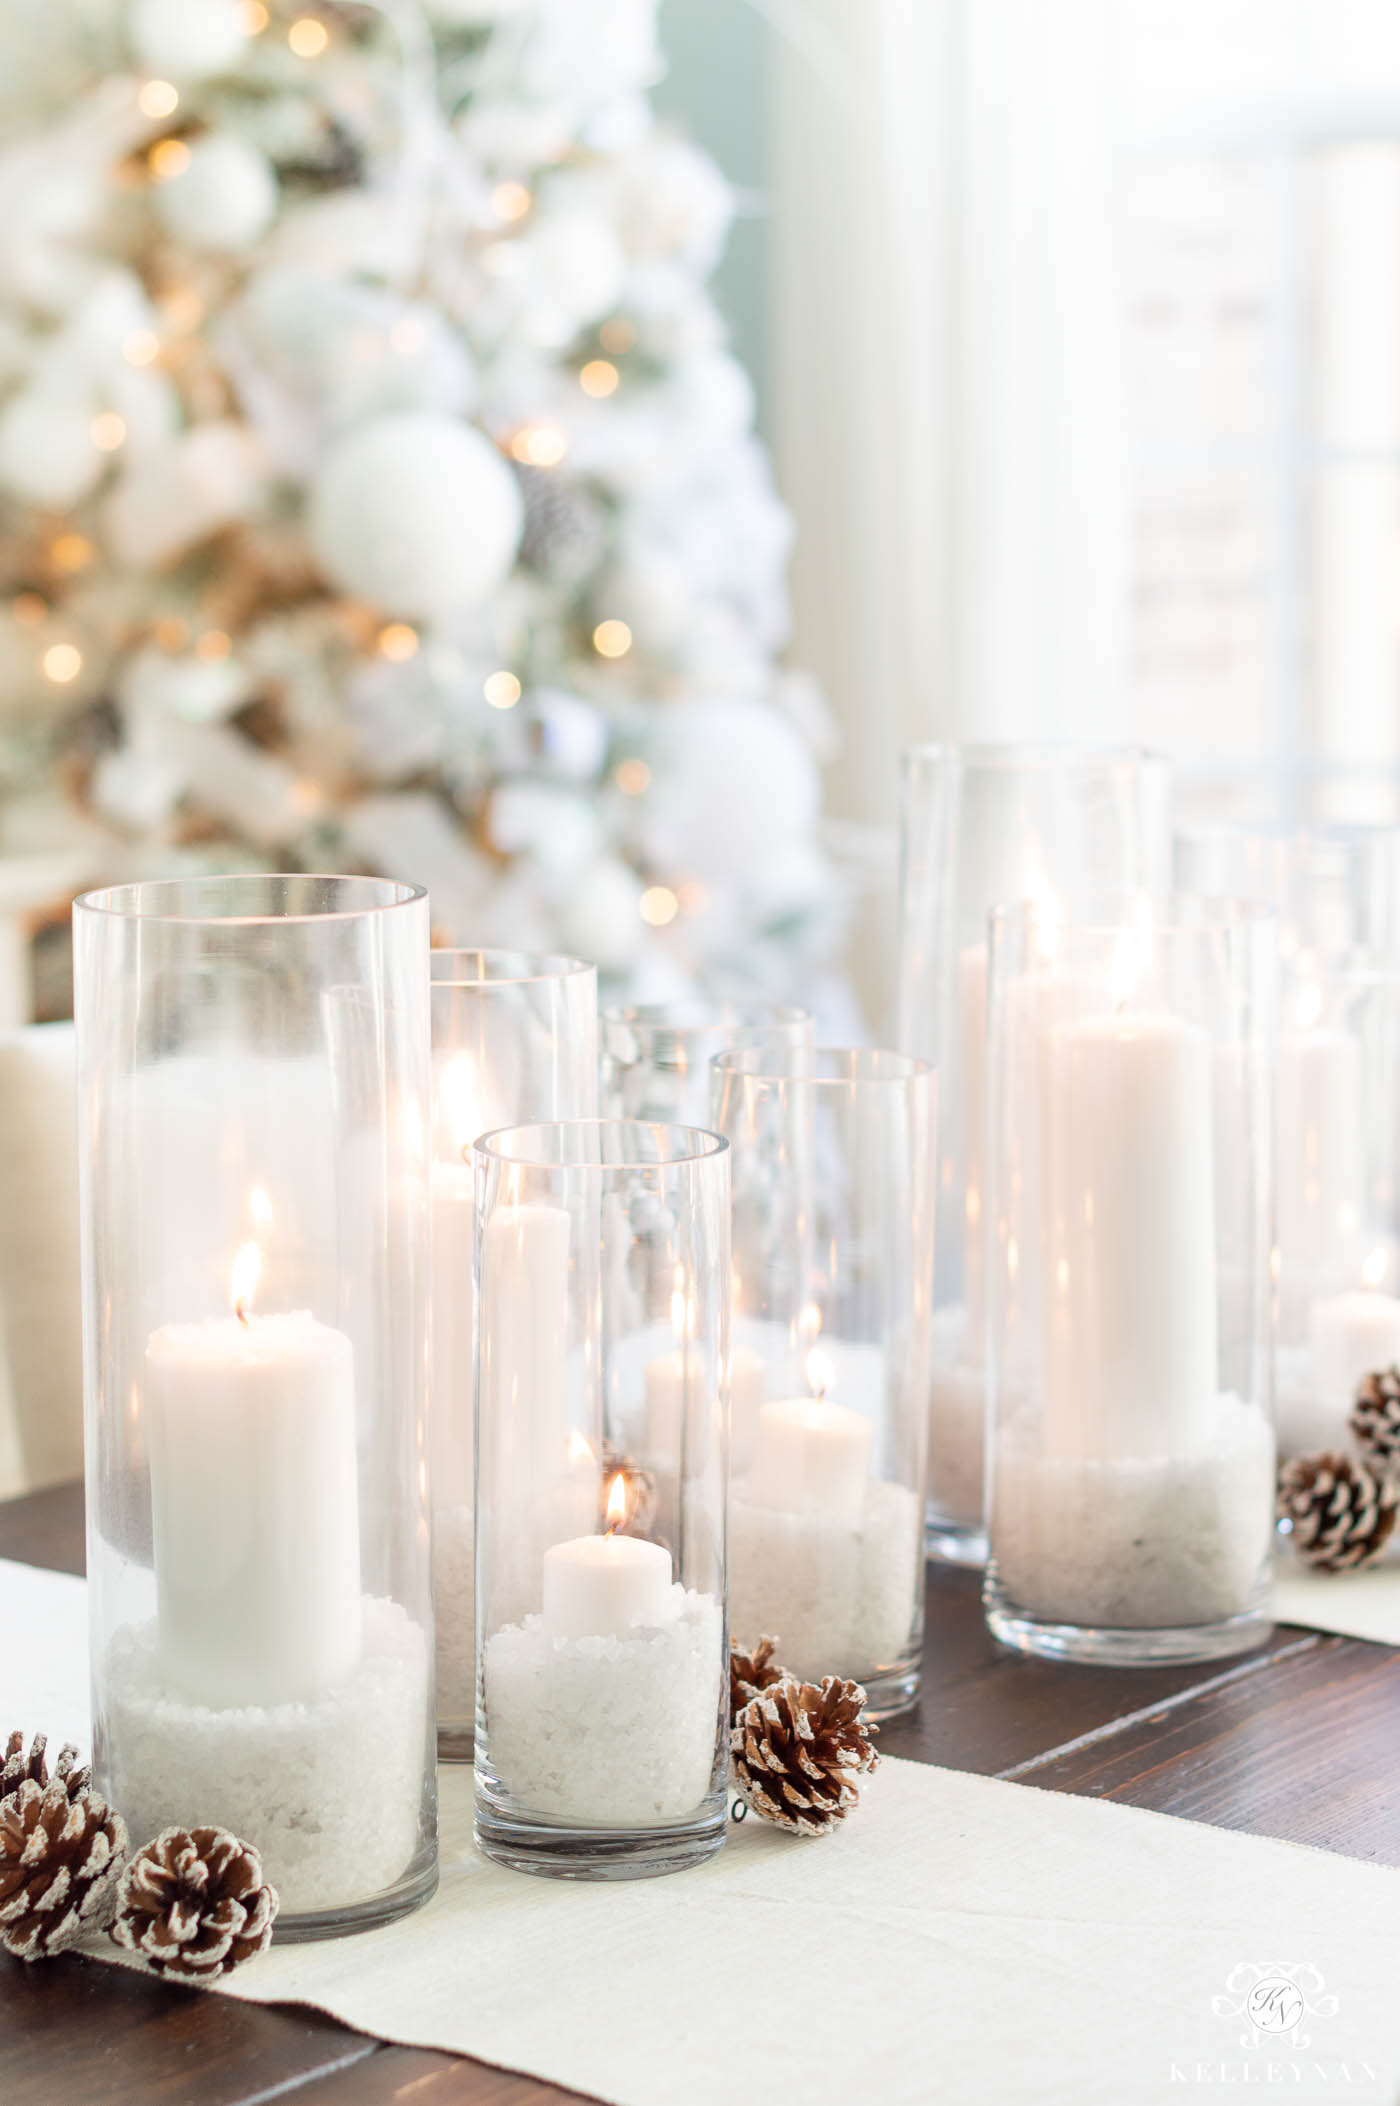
x=1085, y=830
x=833, y=1161
x=253, y=1108
x=1131, y=1451
x=657, y=1056
x=515, y=1037
x=602, y=1456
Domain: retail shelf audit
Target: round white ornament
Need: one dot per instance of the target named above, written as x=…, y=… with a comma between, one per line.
x=735, y=784
x=416, y=513
x=224, y=198
x=601, y=919
x=46, y=452
x=186, y=40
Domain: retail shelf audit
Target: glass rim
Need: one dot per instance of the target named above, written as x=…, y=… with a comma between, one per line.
x=526, y=968
x=709, y=1016
x=1012, y=756
x=123, y=902
x=777, y=1064
x=492, y=1146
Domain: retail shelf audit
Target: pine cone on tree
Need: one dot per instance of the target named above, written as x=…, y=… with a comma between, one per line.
x=61, y=1854
x=751, y=1673
x=798, y=1753
x=1375, y=1417
x=17, y=1766
x=194, y=1905
x=1342, y=1512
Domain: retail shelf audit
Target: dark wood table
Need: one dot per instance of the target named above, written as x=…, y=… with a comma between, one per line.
x=1297, y=1740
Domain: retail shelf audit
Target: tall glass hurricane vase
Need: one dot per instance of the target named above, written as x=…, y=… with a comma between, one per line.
x=1086, y=833
x=515, y=1036
x=253, y=1103
x=833, y=1259
x=602, y=1451
x=657, y=1056
x=1132, y=1457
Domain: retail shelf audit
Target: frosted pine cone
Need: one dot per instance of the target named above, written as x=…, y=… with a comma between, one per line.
x=751, y=1673
x=1375, y=1418
x=194, y=1904
x=1342, y=1512
x=17, y=1766
x=798, y=1753
x=61, y=1854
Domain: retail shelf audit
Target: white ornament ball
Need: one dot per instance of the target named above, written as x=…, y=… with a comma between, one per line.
x=735, y=784
x=223, y=199
x=186, y=40
x=601, y=918
x=416, y=513
x=577, y=269
x=46, y=452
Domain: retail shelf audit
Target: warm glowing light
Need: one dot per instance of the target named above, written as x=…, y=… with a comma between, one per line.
x=503, y=259
x=691, y=896
x=243, y=1282
x=183, y=308
x=820, y=1370
x=213, y=645
x=809, y=1323
x=305, y=797
x=252, y=17
x=599, y=378
x=142, y=347
x=28, y=609
x=259, y=1208
x=678, y=1311
x=107, y=431
x=1373, y=1271
x=617, y=335
x=1130, y=961
x=580, y=1452
x=617, y=1503
x=158, y=98
x=632, y=777
x=658, y=906
x=167, y=158
x=510, y=200
x=612, y=639
x=62, y=662
x=502, y=690
x=171, y=633
x=71, y=552
x=307, y=37
x=397, y=642
x=457, y=1095
x=539, y=445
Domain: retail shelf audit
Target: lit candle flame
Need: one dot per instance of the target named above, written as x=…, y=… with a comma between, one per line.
x=1130, y=959
x=821, y=1372
x=1373, y=1271
x=458, y=1098
x=616, y=1512
x=260, y=1208
x=579, y=1450
x=247, y=1267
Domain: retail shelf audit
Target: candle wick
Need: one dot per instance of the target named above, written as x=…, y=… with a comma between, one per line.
x=240, y=1310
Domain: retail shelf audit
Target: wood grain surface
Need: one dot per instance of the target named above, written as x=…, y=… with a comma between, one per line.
x=1297, y=1740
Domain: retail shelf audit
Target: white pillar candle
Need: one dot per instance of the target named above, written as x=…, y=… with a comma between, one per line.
x=1349, y=1336
x=672, y=1389
x=255, y=1505
x=748, y=1386
x=1131, y=1351
x=1321, y=1176
x=452, y=1416
x=813, y=1458
x=605, y=1586
x=972, y=1038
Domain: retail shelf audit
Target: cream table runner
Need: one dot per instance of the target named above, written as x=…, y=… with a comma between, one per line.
x=961, y=1939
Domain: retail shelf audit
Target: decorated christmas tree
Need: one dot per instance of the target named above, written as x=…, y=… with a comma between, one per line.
x=376, y=489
